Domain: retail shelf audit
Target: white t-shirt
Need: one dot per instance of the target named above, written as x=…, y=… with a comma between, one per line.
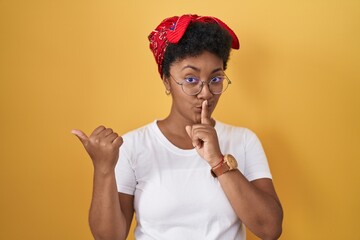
x=175, y=196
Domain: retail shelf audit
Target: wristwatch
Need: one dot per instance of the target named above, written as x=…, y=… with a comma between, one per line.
x=228, y=163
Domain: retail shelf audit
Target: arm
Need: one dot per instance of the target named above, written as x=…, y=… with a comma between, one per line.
x=255, y=203
x=110, y=212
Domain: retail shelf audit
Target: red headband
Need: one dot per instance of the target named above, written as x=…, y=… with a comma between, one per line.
x=172, y=29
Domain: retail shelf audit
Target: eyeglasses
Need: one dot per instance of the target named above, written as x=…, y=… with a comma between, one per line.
x=193, y=85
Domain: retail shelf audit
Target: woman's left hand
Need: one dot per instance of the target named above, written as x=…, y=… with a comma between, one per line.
x=204, y=137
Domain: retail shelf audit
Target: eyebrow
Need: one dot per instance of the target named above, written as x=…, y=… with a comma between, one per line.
x=198, y=69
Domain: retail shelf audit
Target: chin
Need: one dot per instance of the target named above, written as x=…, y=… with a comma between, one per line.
x=197, y=118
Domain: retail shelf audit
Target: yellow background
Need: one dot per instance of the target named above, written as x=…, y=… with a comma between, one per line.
x=77, y=64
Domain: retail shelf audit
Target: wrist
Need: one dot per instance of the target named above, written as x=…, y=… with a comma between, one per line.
x=104, y=172
x=217, y=162
x=227, y=164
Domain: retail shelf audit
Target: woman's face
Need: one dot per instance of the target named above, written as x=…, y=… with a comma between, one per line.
x=205, y=67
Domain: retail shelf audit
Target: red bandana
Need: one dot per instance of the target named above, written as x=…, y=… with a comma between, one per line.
x=172, y=29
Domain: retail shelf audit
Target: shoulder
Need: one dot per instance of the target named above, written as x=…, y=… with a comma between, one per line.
x=139, y=132
x=136, y=140
x=138, y=135
x=234, y=131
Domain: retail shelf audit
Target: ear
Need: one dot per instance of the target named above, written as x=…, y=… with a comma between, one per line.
x=166, y=82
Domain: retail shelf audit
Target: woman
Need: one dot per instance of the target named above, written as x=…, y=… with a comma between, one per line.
x=186, y=176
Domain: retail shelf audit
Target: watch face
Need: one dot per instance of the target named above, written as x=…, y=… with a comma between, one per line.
x=231, y=161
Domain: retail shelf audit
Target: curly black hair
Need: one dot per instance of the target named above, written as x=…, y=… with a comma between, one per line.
x=198, y=38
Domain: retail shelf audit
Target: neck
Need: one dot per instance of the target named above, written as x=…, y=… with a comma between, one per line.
x=173, y=128
x=174, y=125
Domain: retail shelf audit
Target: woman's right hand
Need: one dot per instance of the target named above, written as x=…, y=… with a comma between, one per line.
x=102, y=146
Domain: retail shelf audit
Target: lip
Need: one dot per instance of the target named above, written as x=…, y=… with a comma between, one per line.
x=199, y=108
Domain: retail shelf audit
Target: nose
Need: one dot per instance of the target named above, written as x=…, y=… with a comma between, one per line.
x=205, y=92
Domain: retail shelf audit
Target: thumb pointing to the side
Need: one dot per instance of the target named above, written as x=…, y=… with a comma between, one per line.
x=81, y=135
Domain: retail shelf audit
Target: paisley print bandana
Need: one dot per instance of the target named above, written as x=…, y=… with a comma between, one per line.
x=172, y=29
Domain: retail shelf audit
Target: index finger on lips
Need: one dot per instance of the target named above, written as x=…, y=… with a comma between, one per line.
x=205, y=118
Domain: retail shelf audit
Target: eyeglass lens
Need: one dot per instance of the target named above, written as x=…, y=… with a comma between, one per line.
x=216, y=86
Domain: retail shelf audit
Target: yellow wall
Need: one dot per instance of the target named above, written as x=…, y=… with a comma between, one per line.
x=77, y=64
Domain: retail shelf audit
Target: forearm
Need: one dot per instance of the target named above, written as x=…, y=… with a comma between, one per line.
x=259, y=211
x=106, y=218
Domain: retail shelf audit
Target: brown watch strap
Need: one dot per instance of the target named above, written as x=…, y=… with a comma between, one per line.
x=220, y=170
